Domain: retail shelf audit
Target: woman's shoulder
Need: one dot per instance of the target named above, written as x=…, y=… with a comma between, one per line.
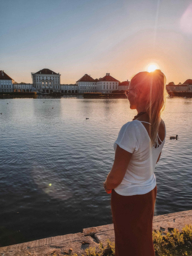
x=131, y=124
x=130, y=127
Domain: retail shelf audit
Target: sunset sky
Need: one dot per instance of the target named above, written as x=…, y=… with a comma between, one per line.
x=74, y=37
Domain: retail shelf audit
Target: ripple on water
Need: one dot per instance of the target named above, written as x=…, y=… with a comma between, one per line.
x=54, y=163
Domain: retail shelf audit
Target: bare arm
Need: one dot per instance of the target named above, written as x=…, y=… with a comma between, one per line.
x=117, y=173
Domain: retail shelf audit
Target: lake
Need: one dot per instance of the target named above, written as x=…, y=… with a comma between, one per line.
x=53, y=162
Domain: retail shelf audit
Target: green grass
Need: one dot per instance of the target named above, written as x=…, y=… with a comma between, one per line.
x=173, y=243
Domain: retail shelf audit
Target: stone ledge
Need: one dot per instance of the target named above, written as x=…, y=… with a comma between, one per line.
x=90, y=237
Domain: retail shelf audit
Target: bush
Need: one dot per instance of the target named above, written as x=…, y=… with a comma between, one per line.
x=173, y=243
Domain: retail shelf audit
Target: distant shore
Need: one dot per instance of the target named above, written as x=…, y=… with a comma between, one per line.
x=11, y=95
x=91, y=95
x=99, y=95
x=180, y=94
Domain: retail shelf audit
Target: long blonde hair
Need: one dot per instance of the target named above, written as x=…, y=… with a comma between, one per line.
x=150, y=87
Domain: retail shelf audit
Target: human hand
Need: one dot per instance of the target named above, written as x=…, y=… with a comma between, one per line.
x=108, y=191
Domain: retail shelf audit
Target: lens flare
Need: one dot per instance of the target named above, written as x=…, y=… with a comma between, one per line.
x=186, y=20
x=51, y=183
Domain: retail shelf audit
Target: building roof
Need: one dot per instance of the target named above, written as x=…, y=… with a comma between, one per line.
x=4, y=76
x=188, y=81
x=46, y=71
x=170, y=84
x=86, y=78
x=108, y=78
x=124, y=83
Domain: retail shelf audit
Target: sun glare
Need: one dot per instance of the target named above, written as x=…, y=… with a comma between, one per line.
x=152, y=68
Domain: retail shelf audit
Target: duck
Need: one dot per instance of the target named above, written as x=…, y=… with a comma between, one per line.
x=174, y=137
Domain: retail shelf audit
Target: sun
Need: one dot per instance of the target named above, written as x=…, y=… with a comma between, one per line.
x=152, y=67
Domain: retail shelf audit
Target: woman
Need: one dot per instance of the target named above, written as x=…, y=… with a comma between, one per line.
x=132, y=179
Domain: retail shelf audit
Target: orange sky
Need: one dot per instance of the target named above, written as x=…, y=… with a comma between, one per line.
x=96, y=37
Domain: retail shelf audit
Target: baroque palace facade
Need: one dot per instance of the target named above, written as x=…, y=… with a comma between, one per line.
x=46, y=81
x=6, y=82
x=106, y=84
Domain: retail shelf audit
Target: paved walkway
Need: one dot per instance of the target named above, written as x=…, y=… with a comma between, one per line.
x=90, y=237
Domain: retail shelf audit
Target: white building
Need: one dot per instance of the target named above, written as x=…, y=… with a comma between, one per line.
x=123, y=86
x=189, y=84
x=69, y=88
x=6, y=82
x=171, y=87
x=107, y=84
x=23, y=87
x=87, y=84
x=180, y=89
x=46, y=81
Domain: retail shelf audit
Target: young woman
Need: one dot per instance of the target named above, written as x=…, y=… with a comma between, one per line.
x=132, y=179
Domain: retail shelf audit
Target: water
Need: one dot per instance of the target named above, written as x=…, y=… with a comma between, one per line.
x=53, y=163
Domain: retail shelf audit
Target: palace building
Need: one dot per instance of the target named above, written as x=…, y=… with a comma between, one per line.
x=87, y=84
x=123, y=86
x=46, y=81
x=23, y=87
x=106, y=84
x=6, y=82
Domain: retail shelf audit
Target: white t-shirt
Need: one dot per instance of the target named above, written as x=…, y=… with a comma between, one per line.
x=139, y=178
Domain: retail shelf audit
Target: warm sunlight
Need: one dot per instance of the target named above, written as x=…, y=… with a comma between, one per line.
x=152, y=67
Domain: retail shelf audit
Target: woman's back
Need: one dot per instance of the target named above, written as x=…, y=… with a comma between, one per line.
x=145, y=121
x=134, y=138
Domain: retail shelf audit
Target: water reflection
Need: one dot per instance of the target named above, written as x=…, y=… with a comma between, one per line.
x=16, y=109
x=47, y=108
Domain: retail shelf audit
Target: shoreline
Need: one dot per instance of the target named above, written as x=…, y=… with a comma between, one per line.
x=90, y=237
x=180, y=94
x=11, y=95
